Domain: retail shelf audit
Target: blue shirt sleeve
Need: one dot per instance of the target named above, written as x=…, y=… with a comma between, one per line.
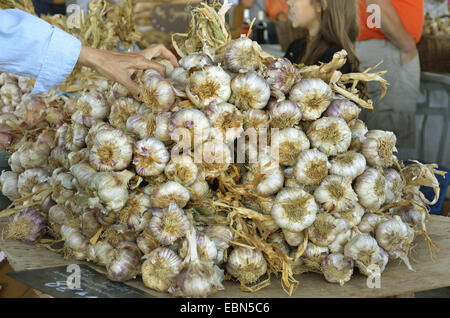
x=32, y=47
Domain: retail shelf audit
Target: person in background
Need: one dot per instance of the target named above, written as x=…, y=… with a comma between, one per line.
x=49, y=7
x=394, y=43
x=35, y=48
x=332, y=26
x=275, y=9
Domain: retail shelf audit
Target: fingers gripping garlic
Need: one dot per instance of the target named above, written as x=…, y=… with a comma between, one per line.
x=111, y=151
x=282, y=75
x=359, y=130
x=246, y=264
x=349, y=164
x=313, y=96
x=311, y=167
x=378, y=148
x=337, y=268
x=330, y=135
x=284, y=114
x=325, y=229
x=169, y=224
x=170, y=192
x=182, y=170
x=150, y=157
x=290, y=142
x=335, y=193
x=189, y=127
x=8, y=185
x=297, y=216
x=343, y=108
x=160, y=269
x=250, y=91
x=209, y=85
x=371, y=189
x=226, y=121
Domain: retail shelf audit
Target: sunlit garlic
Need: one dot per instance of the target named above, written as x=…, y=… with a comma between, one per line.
x=371, y=189
x=282, y=75
x=394, y=185
x=142, y=125
x=343, y=108
x=359, y=130
x=189, y=127
x=150, y=157
x=325, y=229
x=250, y=91
x=378, y=148
x=330, y=135
x=337, y=268
x=8, y=185
x=170, y=192
x=335, y=193
x=284, y=114
x=311, y=167
x=369, y=223
x=256, y=119
x=349, y=164
x=157, y=93
x=111, y=150
x=160, y=269
x=29, y=178
x=121, y=109
x=226, y=121
x=182, y=169
x=92, y=107
x=265, y=176
x=298, y=215
x=313, y=96
x=195, y=60
x=246, y=264
x=242, y=55
x=93, y=132
x=290, y=142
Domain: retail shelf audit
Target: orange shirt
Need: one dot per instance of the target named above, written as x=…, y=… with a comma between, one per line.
x=273, y=7
x=411, y=13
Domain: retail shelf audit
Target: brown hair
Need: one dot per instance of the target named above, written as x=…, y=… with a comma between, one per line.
x=339, y=26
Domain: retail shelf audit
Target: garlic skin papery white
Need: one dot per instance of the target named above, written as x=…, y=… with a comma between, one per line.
x=190, y=127
x=194, y=60
x=353, y=215
x=162, y=131
x=221, y=236
x=343, y=108
x=297, y=216
x=395, y=237
x=82, y=172
x=126, y=263
x=75, y=241
x=92, y=107
x=364, y=250
x=226, y=121
x=349, y=164
x=14, y=162
x=412, y=217
x=109, y=189
x=394, y=185
x=93, y=132
x=337, y=246
x=59, y=157
x=101, y=253
x=156, y=92
x=335, y=193
x=10, y=94
x=242, y=55
x=160, y=269
x=282, y=75
x=146, y=242
x=337, y=268
x=245, y=264
x=208, y=85
x=293, y=238
x=111, y=151
x=206, y=248
x=201, y=189
x=311, y=167
x=150, y=157
x=74, y=138
x=371, y=189
x=359, y=130
x=369, y=223
x=256, y=119
x=121, y=109
x=216, y=158
x=330, y=135
x=313, y=96
x=182, y=170
x=63, y=184
x=278, y=239
x=78, y=156
x=378, y=148
x=142, y=125
x=33, y=155
x=290, y=142
x=29, y=178
x=325, y=228
x=284, y=114
x=136, y=213
x=270, y=176
x=313, y=256
x=249, y=91
x=116, y=92
x=170, y=192
x=8, y=185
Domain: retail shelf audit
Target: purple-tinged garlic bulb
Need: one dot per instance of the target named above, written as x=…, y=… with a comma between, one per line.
x=189, y=127
x=207, y=250
x=369, y=223
x=350, y=164
x=284, y=114
x=29, y=178
x=242, y=55
x=161, y=268
x=325, y=229
x=169, y=224
x=136, y=213
x=313, y=256
x=182, y=169
x=150, y=157
x=359, y=130
x=311, y=167
x=256, y=119
x=121, y=109
x=394, y=185
x=378, y=148
x=222, y=236
x=102, y=253
x=330, y=135
x=28, y=225
x=226, y=121
x=343, y=108
x=93, y=132
x=313, y=96
x=352, y=216
x=335, y=194
x=337, y=268
x=8, y=185
x=92, y=107
x=14, y=162
x=371, y=189
x=282, y=75
x=82, y=171
x=245, y=264
x=250, y=91
x=117, y=91
x=142, y=125
x=76, y=243
x=74, y=138
x=170, y=192
x=195, y=60
x=126, y=263
x=216, y=158
x=157, y=93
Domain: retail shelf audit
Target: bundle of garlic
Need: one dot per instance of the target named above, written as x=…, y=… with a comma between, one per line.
x=168, y=188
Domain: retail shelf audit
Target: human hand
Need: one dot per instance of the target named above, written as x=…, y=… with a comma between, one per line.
x=120, y=66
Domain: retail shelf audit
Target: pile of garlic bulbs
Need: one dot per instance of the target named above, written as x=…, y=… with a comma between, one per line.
x=155, y=188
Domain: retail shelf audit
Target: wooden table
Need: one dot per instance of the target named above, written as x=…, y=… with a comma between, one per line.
x=396, y=280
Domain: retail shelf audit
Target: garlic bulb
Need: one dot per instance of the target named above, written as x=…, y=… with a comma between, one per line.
x=366, y=253
x=208, y=85
x=126, y=263
x=89, y=223
x=279, y=241
x=394, y=185
x=207, y=250
x=29, y=225
x=369, y=223
x=325, y=228
x=57, y=216
x=109, y=189
x=169, y=224
x=29, y=178
x=337, y=268
x=8, y=185
x=249, y=91
x=75, y=241
x=395, y=237
x=14, y=162
x=353, y=215
x=313, y=96
x=63, y=184
x=189, y=126
x=78, y=156
x=349, y=164
x=284, y=114
x=216, y=157
x=182, y=170
x=146, y=242
x=10, y=94
x=162, y=130
x=74, y=138
x=157, y=93
x=201, y=189
x=93, y=132
x=378, y=148
x=311, y=167
x=92, y=107
x=242, y=54
x=412, y=217
x=179, y=77
x=195, y=60
x=82, y=172
x=359, y=130
x=150, y=157
x=136, y=212
x=101, y=253
x=221, y=236
x=226, y=121
x=337, y=246
x=290, y=142
x=160, y=269
x=330, y=135
x=116, y=91
x=267, y=173
x=33, y=155
x=257, y=119
x=142, y=125
x=313, y=256
x=335, y=193
x=121, y=109
x=111, y=151
x=246, y=264
x=297, y=216
x=170, y=192
x=293, y=238
x=343, y=108
x=371, y=189
x=282, y=75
